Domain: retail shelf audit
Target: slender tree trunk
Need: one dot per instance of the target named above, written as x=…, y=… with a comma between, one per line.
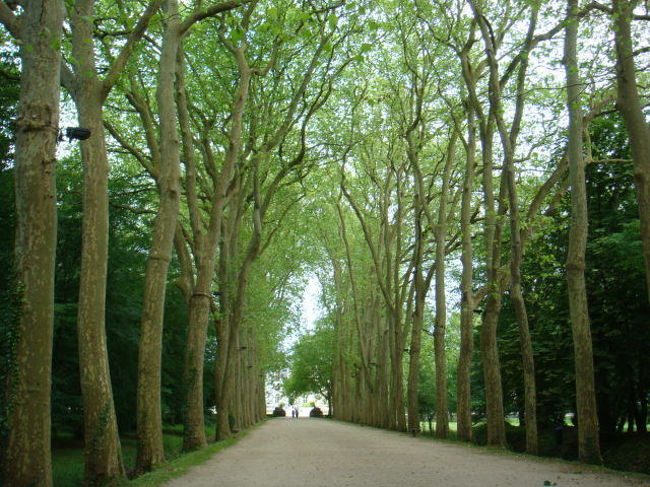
x=102, y=452
x=223, y=425
x=224, y=367
x=530, y=395
x=199, y=298
x=508, y=141
x=464, y=398
x=629, y=104
x=491, y=372
x=517, y=297
x=489, y=352
x=26, y=460
x=223, y=346
x=206, y=244
x=149, y=415
x=418, y=320
x=588, y=439
x=442, y=406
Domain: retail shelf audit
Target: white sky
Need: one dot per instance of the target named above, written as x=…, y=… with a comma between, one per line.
x=310, y=307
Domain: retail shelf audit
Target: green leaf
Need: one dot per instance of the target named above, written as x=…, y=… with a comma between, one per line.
x=237, y=34
x=333, y=21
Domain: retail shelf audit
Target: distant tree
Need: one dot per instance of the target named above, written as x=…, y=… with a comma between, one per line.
x=312, y=363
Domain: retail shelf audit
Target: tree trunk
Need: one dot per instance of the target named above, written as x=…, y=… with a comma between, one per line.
x=629, y=104
x=27, y=460
x=418, y=320
x=588, y=440
x=102, y=452
x=442, y=406
x=464, y=397
x=205, y=255
x=149, y=415
x=489, y=352
x=517, y=297
x=491, y=371
x=103, y=455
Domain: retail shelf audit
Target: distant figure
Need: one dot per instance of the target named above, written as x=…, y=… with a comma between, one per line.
x=295, y=412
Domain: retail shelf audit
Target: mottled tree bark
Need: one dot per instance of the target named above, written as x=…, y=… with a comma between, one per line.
x=588, y=434
x=26, y=460
x=508, y=142
x=149, y=416
x=631, y=108
x=103, y=457
x=488, y=339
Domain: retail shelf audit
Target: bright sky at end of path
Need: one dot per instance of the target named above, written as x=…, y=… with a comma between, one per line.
x=311, y=308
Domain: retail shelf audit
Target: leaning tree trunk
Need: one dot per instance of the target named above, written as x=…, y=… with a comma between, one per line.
x=508, y=141
x=588, y=440
x=629, y=104
x=517, y=297
x=27, y=460
x=149, y=415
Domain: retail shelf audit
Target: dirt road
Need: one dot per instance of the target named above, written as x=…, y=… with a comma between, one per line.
x=321, y=453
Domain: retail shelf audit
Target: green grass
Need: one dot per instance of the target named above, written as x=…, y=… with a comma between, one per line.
x=632, y=453
x=453, y=426
x=67, y=467
x=180, y=465
x=68, y=461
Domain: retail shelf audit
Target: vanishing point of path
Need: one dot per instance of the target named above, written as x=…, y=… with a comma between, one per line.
x=321, y=453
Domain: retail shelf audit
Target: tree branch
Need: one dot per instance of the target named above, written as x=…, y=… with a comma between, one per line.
x=199, y=15
x=127, y=50
x=9, y=20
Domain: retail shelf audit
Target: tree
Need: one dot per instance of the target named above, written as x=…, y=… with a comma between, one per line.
x=312, y=363
x=150, y=446
x=26, y=459
x=629, y=104
x=589, y=442
x=103, y=454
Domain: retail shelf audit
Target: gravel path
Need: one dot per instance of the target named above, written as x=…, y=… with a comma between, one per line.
x=321, y=453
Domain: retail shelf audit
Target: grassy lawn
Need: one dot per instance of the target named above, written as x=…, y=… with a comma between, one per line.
x=68, y=466
x=424, y=426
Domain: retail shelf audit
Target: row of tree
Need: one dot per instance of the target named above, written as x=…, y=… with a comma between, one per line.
x=453, y=159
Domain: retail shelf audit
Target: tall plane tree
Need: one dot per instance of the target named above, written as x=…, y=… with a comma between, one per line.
x=149, y=414
x=588, y=440
x=630, y=106
x=103, y=458
x=26, y=460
